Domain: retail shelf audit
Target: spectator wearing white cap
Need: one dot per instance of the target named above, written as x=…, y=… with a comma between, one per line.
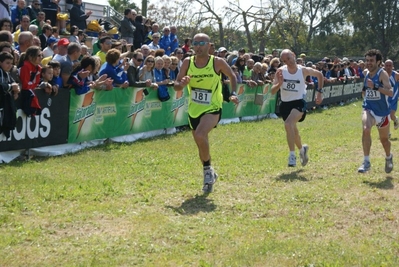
x=222, y=51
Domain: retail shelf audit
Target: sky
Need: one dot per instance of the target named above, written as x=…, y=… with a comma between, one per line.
x=244, y=4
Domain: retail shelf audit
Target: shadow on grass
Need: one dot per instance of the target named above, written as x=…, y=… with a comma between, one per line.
x=195, y=205
x=386, y=184
x=292, y=176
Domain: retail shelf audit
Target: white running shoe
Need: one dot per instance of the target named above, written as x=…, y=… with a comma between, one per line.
x=292, y=161
x=210, y=178
x=365, y=167
x=389, y=164
x=304, y=157
x=396, y=123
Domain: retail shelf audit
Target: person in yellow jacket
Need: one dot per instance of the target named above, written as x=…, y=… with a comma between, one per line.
x=201, y=74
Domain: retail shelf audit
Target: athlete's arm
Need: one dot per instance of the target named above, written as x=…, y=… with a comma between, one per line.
x=277, y=82
x=320, y=80
x=387, y=89
x=315, y=73
x=182, y=79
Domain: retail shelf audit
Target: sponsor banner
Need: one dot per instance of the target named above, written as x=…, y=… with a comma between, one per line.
x=105, y=114
x=336, y=90
x=309, y=95
x=178, y=111
x=269, y=103
x=92, y=115
x=358, y=86
x=246, y=106
x=143, y=113
x=326, y=92
x=349, y=89
x=49, y=128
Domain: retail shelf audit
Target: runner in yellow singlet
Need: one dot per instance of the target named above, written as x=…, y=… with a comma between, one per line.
x=201, y=74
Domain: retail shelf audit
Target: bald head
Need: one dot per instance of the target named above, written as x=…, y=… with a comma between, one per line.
x=288, y=57
x=25, y=39
x=388, y=61
x=201, y=37
x=388, y=66
x=287, y=52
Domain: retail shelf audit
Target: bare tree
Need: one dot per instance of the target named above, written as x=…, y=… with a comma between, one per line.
x=264, y=16
x=299, y=13
x=213, y=17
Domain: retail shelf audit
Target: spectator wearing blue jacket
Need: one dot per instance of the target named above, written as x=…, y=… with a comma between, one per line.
x=114, y=70
x=173, y=37
x=165, y=43
x=17, y=12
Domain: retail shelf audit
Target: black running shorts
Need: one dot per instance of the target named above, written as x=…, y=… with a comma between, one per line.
x=286, y=107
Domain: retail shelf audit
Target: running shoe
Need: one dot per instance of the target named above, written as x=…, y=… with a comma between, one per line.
x=303, y=153
x=364, y=167
x=396, y=123
x=210, y=178
x=292, y=161
x=389, y=164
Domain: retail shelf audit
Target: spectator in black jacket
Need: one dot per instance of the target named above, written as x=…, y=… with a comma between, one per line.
x=127, y=28
x=9, y=91
x=47, y=31
x=133, y=72
x=50, y=8
x=78, y=16
x=139, y=34
x=34, y=9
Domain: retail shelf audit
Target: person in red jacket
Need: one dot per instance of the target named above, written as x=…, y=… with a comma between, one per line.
x=29, y=73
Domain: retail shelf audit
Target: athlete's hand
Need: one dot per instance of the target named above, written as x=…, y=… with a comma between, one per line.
x=234, y=99
x=279, y=77
x=370, y=83
x=185, y=80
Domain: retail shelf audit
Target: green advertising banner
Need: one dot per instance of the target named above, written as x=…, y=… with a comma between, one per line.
x=104, y=114
x=92, y=115
x=269, y=100
x=247, y=106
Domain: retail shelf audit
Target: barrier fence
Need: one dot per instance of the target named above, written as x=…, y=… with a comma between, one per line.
x=69, y=118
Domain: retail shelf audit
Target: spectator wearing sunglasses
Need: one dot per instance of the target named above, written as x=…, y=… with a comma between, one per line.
x=133, y=71
x=173, y=68
x=34, y=9
x=147, y=70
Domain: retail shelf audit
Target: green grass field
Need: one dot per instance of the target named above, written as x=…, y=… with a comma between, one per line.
x=140, y=204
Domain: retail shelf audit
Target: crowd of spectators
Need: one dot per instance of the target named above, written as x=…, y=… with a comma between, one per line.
x=36, y=52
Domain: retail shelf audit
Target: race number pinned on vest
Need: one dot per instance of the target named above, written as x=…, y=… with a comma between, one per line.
x=201, y=96
x=372, y=94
